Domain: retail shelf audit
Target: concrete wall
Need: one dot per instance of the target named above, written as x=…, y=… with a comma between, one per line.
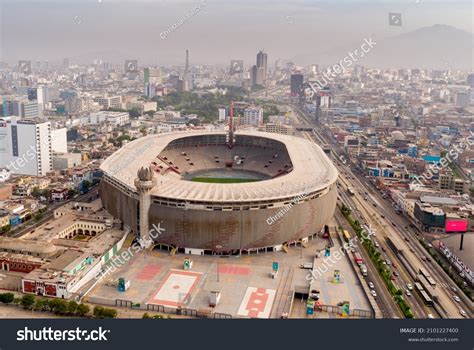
x=244, y=229
x=233, y=230
x=119, y=204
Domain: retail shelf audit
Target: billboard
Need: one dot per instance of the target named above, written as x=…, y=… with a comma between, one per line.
x=456, y=225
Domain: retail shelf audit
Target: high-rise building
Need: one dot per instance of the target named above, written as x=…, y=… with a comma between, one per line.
x=253, y=116
x=109, y=101
x=21, y=108
x=66, y=63
x=253, y=75
x=187, y=76
x=296, y=81
x=152, y=75
x=462, y=99
x=146, y=75
x=222, y=114
x=262, y=63
x=149, y=90
x=257, y=76
x=258, y=73
x=470, y=80
x=25, y=146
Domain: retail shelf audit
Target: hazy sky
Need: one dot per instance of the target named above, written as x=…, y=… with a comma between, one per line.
x=216, y=33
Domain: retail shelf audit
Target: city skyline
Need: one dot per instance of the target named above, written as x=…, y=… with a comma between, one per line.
x=292, y=24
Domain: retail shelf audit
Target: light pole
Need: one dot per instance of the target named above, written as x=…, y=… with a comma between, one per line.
x=218, y=247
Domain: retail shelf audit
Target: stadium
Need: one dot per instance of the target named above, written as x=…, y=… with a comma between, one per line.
x=261, y=192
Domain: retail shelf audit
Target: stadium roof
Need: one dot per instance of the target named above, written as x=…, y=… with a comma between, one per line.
x=312, y=170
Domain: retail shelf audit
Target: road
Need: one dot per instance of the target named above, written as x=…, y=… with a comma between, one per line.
x=385, y=301
x=49, y=213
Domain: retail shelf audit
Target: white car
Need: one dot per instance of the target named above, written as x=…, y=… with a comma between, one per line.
x=371, y=285
x=430, y=316
x=409, y=286
x=407, y=292
x=463, y=313
x=376, y=244
x=374, y=294
x=456, y=298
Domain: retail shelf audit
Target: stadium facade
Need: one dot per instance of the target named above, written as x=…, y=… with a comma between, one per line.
x=289, y=195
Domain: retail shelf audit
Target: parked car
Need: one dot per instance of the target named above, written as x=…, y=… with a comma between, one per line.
x=423, y=258
x=409, y=286
x=456, y=299
x=395, y=273
x=463, y=313
x=407, y=292
x=374, y=294
x=371, y=285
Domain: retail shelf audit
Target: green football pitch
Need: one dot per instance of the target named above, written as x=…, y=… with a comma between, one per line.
x=221, y=180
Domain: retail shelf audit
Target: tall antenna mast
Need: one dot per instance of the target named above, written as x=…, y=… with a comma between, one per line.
x=230, y=137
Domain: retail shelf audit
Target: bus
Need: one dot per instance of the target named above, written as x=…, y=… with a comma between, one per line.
x=423, y=282
x=426, y=298
x=346, y=235
x=350, y=191
x=428, y=277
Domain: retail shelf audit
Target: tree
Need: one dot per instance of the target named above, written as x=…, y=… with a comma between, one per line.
x=71, y=193
x=36, y=192
x=134, y=113
x=82, y=310
x=72, y=307
x=103, y=312
x=98, y=311
x=41, y=305
x=5, y=228
x=146, y=315
x=27, y=301
x=7, y=298
x=38, y=216
x=109, y=313
x=58, y=306
x=86, y=184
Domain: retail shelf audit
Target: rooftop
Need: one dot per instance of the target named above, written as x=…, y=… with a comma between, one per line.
x=312, y=170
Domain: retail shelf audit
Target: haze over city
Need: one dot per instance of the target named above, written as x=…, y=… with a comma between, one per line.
x=302, y=31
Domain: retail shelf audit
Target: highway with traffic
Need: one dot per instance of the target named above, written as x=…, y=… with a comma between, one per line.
x=396, y=239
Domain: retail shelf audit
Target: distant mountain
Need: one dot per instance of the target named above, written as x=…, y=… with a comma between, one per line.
x=436, y=47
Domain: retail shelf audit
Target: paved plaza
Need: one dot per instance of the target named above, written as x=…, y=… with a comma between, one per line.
x=245, y=283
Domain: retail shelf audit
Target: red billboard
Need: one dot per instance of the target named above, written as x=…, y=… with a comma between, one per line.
x=456, y=225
